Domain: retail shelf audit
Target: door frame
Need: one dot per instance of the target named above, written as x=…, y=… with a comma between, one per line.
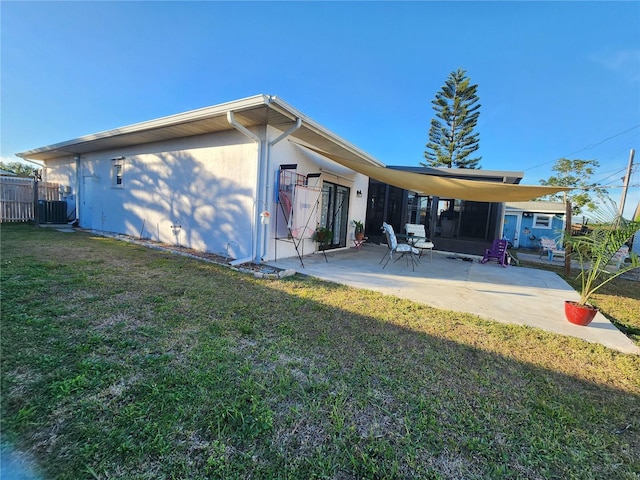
x=516, y=236
x=327, y=218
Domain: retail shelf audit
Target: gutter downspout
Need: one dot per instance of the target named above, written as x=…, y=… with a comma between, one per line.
x=287, y=133
x=260, y=190
x=31, y=161
x=77, y=187
x=259, y=243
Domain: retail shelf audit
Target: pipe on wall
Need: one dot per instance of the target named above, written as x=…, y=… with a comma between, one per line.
x=259, y=237
x=77, y=187
x=255, y=232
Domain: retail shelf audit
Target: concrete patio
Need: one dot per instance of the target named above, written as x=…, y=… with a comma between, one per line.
x=520, y=295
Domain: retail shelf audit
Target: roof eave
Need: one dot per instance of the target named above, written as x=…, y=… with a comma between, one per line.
x=65, y=148
x=75, y=146
x=309, y=123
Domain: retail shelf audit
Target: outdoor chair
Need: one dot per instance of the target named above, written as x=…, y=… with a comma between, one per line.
x=403, y=249
x=418, y=238
x=498, y=251
x=549, y=246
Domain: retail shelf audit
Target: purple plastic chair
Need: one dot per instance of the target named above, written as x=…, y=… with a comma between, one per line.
x=498, y=251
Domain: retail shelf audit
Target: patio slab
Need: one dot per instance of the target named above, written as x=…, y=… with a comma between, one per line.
x=525, y=296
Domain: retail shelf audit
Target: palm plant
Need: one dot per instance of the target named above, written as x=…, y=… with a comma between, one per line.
x=597, y=249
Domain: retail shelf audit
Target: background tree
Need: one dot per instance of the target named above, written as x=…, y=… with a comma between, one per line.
x=576, y=173
x=451, y=137
x=18, y=168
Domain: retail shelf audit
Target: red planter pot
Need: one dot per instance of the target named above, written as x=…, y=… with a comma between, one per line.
x=579, y=314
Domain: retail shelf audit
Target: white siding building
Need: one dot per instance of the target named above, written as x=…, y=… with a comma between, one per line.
x=205, y=179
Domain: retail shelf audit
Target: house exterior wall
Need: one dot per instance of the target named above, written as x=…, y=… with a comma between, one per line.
x=63, y=172
x=206, y=184
x=287, y=153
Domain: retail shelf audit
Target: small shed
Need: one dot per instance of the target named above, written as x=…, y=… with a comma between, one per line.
x=524, y=223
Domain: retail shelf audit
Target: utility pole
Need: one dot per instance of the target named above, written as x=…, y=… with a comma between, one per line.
x=625, y=185
x=567, y=228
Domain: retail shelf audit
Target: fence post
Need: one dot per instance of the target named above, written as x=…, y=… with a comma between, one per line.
x=36, y=210
x=567, y=228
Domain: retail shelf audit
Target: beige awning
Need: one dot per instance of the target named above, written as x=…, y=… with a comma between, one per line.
x=444, y=187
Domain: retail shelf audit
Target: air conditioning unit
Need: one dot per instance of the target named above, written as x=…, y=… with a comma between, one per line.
x=52, y=211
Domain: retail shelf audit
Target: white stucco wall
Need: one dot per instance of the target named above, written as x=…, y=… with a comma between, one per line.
x=206, y=184
x=287, y=152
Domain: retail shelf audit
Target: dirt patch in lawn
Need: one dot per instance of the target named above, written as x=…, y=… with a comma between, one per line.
x=254, y=268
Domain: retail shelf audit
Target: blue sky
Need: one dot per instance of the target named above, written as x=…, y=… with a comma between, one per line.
x=555, y=79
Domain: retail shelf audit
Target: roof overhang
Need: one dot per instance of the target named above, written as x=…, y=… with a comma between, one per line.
x=537, y=207
x=250, y=112
x=270, y=110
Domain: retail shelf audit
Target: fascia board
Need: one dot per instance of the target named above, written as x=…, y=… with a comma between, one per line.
x=271, y=101
x=536, y=207
x=171, y=120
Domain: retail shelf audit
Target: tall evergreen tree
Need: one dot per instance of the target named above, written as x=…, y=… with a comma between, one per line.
x=451, y=137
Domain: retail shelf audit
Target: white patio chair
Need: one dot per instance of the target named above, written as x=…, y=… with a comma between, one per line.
x=419, y=238
x=549, y=246
x=402, y=248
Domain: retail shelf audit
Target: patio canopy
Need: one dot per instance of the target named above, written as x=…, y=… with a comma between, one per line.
x=444, y=187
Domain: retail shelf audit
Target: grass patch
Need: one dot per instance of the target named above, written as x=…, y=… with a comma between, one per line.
x=119, y=361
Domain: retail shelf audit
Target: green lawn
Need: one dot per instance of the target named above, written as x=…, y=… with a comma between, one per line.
x=125, y=362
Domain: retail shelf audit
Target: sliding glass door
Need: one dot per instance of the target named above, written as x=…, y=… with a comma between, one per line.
x=335, y=213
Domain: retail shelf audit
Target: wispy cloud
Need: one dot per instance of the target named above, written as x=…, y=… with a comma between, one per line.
x=625, y=62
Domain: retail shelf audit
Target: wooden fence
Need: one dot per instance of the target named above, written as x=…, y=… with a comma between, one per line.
x=16, y=197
